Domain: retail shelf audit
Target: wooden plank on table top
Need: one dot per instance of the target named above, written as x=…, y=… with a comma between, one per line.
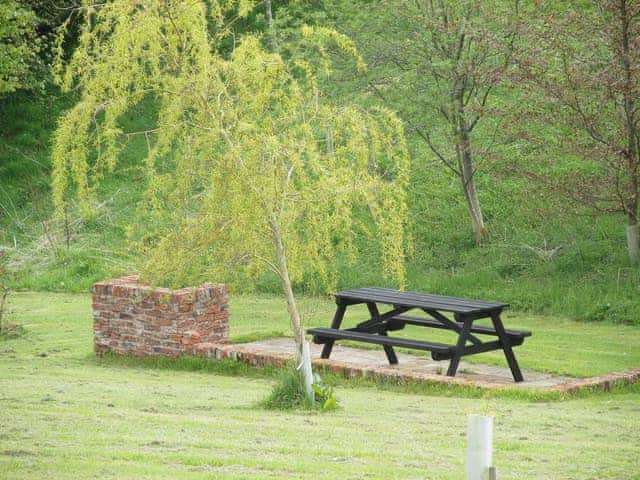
x=438, y=298
x=421, y=300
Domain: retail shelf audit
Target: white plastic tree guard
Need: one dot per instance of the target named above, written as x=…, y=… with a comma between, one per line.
x=305, y=366
x=480, y=447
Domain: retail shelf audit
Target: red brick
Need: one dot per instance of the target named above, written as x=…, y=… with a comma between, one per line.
x=132, y=318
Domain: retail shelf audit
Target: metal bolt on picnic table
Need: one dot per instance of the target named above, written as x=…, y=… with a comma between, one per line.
x=480, y=448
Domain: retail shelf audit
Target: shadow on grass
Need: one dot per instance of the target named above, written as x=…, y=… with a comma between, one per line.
x=226, y=367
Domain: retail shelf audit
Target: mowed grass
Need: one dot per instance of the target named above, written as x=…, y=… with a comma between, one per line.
x=65, y=414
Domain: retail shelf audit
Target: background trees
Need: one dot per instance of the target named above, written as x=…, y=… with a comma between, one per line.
x=28, y=32
x=540, y=250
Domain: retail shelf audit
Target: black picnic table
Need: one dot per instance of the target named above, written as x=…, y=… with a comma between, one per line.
x=465, y=313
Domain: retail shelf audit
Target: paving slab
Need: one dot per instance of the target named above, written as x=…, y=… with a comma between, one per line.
x=372, y=363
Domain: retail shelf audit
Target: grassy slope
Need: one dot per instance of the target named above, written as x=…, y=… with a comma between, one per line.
x=47, y=254
x=66, y=415
x=588, y=278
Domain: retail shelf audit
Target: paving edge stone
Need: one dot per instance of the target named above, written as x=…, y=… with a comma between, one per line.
x=258, y=358
x=602, y=382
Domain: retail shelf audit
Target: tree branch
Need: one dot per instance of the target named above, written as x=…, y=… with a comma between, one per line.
x=425, y=136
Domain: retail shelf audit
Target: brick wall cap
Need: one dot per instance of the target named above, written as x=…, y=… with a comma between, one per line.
x=133, y=282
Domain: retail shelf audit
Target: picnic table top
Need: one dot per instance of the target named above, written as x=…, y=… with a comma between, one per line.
x=420, y=300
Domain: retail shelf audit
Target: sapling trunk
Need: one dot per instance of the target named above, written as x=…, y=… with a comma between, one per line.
x=473, y=204
x=268, y=13
x=270, y=33
x=303, y=357
x=467, y=173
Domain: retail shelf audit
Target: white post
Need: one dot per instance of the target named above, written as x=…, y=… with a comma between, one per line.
x=479, y=446
x=307, y=374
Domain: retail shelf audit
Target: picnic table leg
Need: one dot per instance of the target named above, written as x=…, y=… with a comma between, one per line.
x=337, y=320
x=506, y=347
x=388, y=349
x=462, y=342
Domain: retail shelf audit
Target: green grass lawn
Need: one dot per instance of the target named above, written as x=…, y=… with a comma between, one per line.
x=65, y=414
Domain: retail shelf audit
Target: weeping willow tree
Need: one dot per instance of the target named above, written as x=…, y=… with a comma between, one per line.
x=246, y=166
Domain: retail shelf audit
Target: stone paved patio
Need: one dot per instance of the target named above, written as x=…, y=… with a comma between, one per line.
x=356, y=362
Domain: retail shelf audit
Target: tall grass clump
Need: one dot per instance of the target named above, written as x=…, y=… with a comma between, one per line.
x=289, y=393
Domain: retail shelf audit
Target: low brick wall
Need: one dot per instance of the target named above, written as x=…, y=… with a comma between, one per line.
x=136, y=319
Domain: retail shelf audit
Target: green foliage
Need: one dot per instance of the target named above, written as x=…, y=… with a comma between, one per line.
x=28, y=40
x=289, y=392
x=323, y=394
x=19, y=47
x=53, y=16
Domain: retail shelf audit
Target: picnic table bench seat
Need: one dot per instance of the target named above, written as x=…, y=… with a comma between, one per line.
x=465, y=312
x=439, y=351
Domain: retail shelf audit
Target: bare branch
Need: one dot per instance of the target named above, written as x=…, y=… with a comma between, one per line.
x=425, y=136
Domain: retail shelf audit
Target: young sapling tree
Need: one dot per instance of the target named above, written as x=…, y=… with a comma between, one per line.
x=584, y=61
x=448, y=57
x=247, y=166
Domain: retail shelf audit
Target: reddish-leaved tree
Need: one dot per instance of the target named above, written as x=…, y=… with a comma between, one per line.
x=585, y=63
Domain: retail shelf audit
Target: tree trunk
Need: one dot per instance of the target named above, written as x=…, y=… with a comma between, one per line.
x=465, y=161
x=633, y=240
x=269, y=34
x=267, y=13
x=473, y=204
x=303, y=357
x=628, y=117
x=296, y=323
